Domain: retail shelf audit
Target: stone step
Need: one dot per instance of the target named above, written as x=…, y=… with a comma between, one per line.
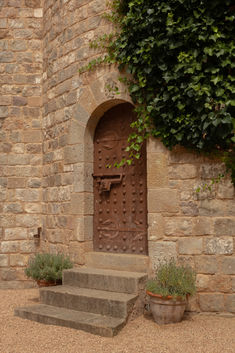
x=89, y=300
x=106, y=280
x=89, y=322
x=119, y=262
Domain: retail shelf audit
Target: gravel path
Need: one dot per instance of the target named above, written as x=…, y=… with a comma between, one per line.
x=199, y=334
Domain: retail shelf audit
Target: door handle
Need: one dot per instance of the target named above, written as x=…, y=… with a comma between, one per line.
x=106, y=181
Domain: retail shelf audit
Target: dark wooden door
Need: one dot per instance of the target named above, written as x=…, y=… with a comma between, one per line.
x=120, y=202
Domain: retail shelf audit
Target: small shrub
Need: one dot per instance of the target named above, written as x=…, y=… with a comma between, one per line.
x=173, y=280
x=47, y=267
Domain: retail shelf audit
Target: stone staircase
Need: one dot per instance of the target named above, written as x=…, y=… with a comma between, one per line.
x=98, y=299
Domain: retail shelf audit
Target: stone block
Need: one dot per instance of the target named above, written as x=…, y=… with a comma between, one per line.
x=33, y=207
x=34, y=136
x=190, y=246
x=77, y=251
x=157, y=170
x=233, y=283
x=209, y=171
x=81, y=203
x=211, y=302
x=230, y=303
x=224, y=226
x=34, y=183
x=228, y=265
x=74, y=154
x=38, y=13
x=10, y=246
x=16, y=159
x=83, y=229
x=202, y=226
x=206, y=264
x=14, y=183
x=76, y=133
x=20, y=101
x=3, y=182
x=27, y=221
x=222, y=246
x=3, y=195
x=3, y=112
x=225, y=189
x=18, y=260
x=178, y=226
x=213, y=283
x=3, y=260
x=155, y=226
x=8, y=275
x=184, y=171
x=82, y=177
x=163, y=200
x=35, y=101
x=28, y=246
x=86, y=98
x=33, y=3
x=6, y=57
x=230, y=211
x=28, y=195
x=189, y=208
x=5, y=100
x=19, y=45
x=15, y=233
x=212, y=207
x=12, y=208
x=161, y=250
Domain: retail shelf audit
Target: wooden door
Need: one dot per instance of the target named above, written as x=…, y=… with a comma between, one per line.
x=120, y=202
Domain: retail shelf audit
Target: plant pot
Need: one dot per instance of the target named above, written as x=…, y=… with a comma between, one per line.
x=166, y=310
x=43, y=283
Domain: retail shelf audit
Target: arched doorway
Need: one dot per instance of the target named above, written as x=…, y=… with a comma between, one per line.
x=120, y=201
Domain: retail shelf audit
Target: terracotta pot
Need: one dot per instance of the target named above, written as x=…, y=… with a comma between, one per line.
x=166, y=310
x=43, y=283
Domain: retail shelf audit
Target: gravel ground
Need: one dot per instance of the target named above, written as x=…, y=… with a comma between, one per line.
x=198, y=334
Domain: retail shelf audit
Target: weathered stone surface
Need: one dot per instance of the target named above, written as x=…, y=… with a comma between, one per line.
x=213, y=283
x=155, y=226
x=184, y=171
x=206, y=264
x=224, y=226
x=12, y=208
x=225, y=189
x=33, y=3
x=157, y=170
x=178, y=226
x=202, y=226
x=230, y=303
x=161, y=250
x=10, y=246
x=15, y=233
x=3, y=260
x=211, y=302
x=189, y=208
x=190, y=246
x=18, y=260
x=219, y=246
x=228, y=265
x=163, y=200
x=3, y=112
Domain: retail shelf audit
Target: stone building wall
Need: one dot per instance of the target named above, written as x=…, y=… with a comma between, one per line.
x=20, y=135
x=197, y=228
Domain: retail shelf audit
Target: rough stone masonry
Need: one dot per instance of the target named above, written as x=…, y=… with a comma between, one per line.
x=48, y=115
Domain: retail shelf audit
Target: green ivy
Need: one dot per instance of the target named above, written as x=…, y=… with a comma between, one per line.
x=180, y=54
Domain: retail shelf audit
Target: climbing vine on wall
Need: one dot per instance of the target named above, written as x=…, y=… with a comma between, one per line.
x=180, y=57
